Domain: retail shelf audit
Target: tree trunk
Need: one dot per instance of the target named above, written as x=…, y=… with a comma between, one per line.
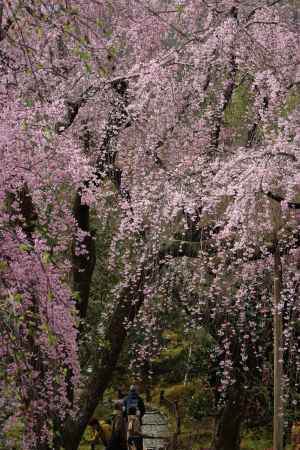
x=125, y=312
x=74, y=429
x=229, y=421
x=71, y=431
x=278, y=425
x=83, y=265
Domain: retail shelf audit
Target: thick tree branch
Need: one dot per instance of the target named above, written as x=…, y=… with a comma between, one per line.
x=218, y=118
x=278, y=198
x=73, y=107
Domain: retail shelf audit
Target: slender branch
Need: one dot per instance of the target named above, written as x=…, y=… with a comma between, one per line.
x=157, y=14
x=253, y=12
x=262, y=22
x=161, y=142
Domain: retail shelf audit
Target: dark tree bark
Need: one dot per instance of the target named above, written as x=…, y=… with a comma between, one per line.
x=125, y=311
x=229, y=420
x=83, y=265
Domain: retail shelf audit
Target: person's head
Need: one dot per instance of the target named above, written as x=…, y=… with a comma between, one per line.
x=94, y=423
x=118, y=405
x=133, y=388
x=120, y=394
x=132, y=411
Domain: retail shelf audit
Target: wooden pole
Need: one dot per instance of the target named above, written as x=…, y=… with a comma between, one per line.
x=278, y=353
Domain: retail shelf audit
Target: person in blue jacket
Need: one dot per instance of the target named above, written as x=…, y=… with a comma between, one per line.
x=134, y=400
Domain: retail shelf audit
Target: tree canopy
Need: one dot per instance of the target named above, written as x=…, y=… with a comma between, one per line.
x=176, y=123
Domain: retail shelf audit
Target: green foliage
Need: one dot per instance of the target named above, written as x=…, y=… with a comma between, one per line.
x=3, y=265
x=236, y=115
x=179, y=392
x=180, y=9
x=237, y=110
x=24, y=248
x=201, y=403
x=13, y=437
x=257, y=439
x=104, y=279
x=28, y=102
x=291, y=103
